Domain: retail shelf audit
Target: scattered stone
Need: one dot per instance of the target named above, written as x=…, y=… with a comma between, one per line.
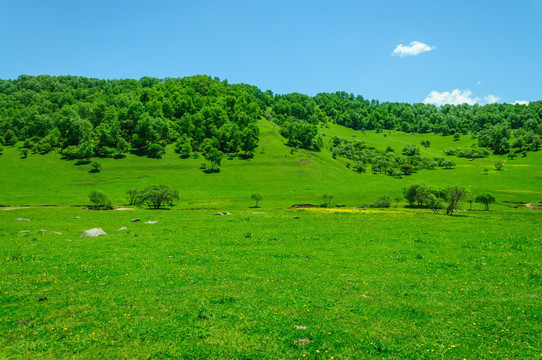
x=300, y=327
x=222, y=213
x=123, y=209
x=135, y=220
x=151, y=222
x=24, y=231
x=23, y=220
x=42, y=230
x=77, y=217
x=123, y=228
x=303, y=342
x=24, y=321
x=56, y=232
x=364, y=296
x=295, y=217
x=43, y=299
x=94, y=232
x=259, y=212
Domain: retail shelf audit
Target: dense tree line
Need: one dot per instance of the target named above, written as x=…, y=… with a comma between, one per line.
x=86, y=117
x=90, y=117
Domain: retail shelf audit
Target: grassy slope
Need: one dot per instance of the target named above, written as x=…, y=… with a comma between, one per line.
x=282, y=178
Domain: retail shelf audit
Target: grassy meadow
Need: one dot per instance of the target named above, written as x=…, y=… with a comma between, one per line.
x=269, y=282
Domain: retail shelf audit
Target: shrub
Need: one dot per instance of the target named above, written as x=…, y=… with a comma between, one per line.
x=100, y=201
x=96, y=167
x=155, y=151
x=383, y=201
x=327, y=200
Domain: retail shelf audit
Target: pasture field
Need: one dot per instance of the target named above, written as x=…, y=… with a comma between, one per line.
x=261, y=284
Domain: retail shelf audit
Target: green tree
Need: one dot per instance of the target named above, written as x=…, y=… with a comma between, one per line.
x=485, y=198
x=256, y=197
x=132, y=196
x=214, y=156
x=454, y=195
x=498, y=165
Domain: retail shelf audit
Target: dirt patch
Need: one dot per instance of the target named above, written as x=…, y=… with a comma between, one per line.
x=123, y=209
x=303, y=206
x=303, y=342
x=305, y=162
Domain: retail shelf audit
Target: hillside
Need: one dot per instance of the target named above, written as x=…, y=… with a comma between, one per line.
x=282, y=177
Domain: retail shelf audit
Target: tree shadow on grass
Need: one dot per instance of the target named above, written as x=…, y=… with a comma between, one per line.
x=211, y=171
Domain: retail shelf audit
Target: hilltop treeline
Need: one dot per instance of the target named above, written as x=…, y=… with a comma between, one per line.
x=91, y=117
x=86, y=117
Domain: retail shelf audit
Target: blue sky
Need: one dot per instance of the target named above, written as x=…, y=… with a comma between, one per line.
x=476, y=51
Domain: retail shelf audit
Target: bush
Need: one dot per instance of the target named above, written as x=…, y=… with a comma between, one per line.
x=155, y=151
x=383, y=201
x=96, y=167
x=155, y=196
x=100, y=201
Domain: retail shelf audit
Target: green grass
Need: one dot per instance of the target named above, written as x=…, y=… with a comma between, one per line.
x=394, y=284
x=399, y=283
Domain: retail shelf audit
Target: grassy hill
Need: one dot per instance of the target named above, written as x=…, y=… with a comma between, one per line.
x=281, y=177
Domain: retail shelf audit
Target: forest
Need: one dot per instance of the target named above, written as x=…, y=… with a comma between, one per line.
x=84, y=117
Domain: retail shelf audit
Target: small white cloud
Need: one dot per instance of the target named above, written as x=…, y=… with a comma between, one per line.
x=479, y=83
x=491, y=99
x=521, y=102
x=455, y=97
x=414, y=48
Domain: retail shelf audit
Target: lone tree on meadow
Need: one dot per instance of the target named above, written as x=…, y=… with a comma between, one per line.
x=256, y=197
x=327, y=199
x=498, y=165
x=485, y=198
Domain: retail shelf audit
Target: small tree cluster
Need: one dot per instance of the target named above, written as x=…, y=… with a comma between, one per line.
x=154, y=196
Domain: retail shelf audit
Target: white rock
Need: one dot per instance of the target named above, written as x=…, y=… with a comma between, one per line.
x=21, y=219
x=151, y=222
x=93, y=232
x=123, y=228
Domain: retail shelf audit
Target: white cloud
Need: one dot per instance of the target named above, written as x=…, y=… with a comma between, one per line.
x=457, y=97
x=479, y=83
x=414, y=48
x=491, y=99
x=521, y=102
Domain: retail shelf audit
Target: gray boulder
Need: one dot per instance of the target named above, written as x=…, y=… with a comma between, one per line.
x=94, y=232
